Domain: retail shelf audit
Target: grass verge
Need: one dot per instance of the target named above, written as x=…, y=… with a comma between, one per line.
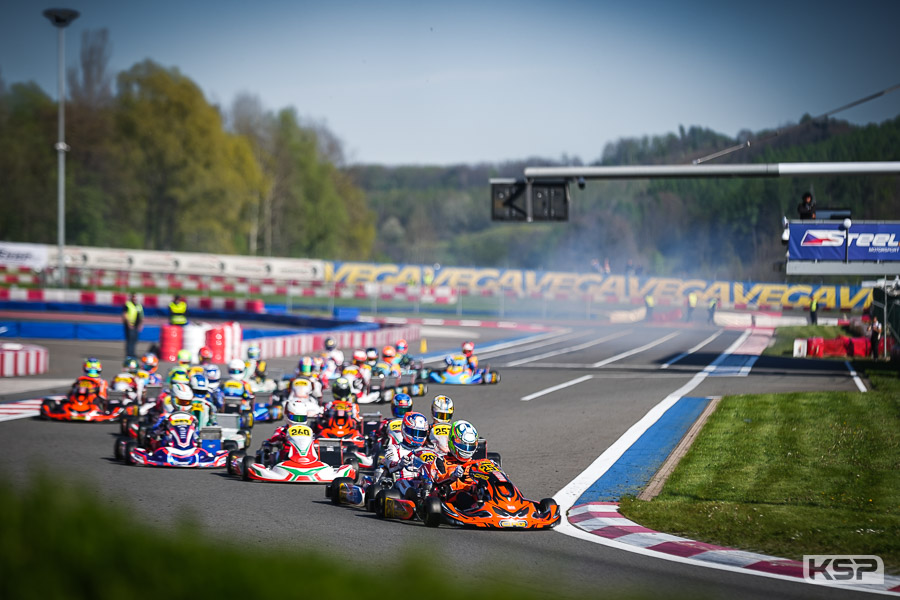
x=61, y=541
x=787, y=475
x=785, y=336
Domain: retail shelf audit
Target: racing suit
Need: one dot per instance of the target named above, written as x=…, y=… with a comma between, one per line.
x=451, y=470
x=399, y=459
x=102, y=385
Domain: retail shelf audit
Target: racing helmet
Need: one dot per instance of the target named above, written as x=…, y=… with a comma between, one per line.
x=414, y=429
x=199, y=384
x=463, y=440
x=305, y=366
x=178, y=376
x=341, y=389
x=92, y=367
x=150, y=362
x=371, y=355
x=350, y=371
x=402, y=347
x=442, y=409
x=401, y=404
x=359, y=357
x=236, y=369
x=130, y=365
x=124, y=382
x=206, y=354
x=253, y=352
x=301, y=387
x=295, y=411
x=213, y=376
x=184, y=357
x=388, y=353
x=318, y=363
x=468, y=348
x=182, y=395
x=330, y=344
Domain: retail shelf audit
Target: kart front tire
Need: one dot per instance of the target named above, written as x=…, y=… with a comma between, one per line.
x=381, y=497
x=432, y=514
x=546, y=504
x=119, y=448
x=355, y=462
x=335, y=488
x=230, y=445
x=245, y=467
x=232, y=457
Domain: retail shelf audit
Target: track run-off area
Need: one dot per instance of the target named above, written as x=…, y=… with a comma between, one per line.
x=566, y=397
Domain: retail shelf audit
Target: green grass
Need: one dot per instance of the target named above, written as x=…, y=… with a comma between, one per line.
x=61, y=541
x=785, y=336
x=787, y=475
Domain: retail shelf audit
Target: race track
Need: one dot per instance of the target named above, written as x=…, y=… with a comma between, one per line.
x=545, y=441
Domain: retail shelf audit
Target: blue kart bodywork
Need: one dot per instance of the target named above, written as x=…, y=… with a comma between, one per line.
x=459, y=372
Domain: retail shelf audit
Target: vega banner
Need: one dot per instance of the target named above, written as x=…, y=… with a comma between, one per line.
x=828, y=241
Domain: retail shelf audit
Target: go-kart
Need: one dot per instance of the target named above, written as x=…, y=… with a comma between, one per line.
x=341, y=435
x=84, y=403
x=295, y=460
x=483, y=498
x=267, y=408
x=383, y=389
x=458, y=372
x=179, y=446
x=364, y=491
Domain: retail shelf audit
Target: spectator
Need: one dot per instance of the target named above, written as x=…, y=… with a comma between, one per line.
x=649, y=303
x=133, y=320
x=178, y=311
x=711, y=318
x=606, y=268
x=814, y=312
x=807, y=207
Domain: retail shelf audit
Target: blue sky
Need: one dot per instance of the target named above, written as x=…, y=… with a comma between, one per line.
x=464, y=82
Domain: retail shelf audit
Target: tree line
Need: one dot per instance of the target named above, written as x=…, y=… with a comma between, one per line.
x=154, y=165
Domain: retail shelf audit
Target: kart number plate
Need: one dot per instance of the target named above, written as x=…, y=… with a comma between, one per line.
x=300, y=430
x=443, y=430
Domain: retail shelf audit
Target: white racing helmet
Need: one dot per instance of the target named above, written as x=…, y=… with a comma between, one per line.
x=236, y=369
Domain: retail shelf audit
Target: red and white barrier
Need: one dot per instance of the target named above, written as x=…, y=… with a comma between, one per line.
x=308, y=343
x=19, y=359
x=225, y=342
x=119, y=299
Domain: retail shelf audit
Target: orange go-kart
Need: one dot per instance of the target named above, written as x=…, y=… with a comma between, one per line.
x=339, y=436
x=484, y=497
x=85, y=402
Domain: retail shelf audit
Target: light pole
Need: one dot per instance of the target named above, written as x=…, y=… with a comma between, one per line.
x=60, y=18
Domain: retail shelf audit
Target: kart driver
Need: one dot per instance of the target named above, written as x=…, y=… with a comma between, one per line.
x=451, y=468
x=150, y=365
x=332, y=352
x=295, y=414
x=439, y=434
x=93, y=370
x=182, y=397
x=399, y=458
x=391, y=428
x=206, y=355
x=236, y=372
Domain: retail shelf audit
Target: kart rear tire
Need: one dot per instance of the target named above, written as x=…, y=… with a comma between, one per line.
x=335, y=487
x=546, y=504
x=380, y=498
x=47, y=406
x=245, y=467
x=119, y=448
x=496, y=378
x=142, y=434
x=230, y=445
x=129, y=446
x=369, y=497
x=495, y=458
x=125, y=424
x=432, y=514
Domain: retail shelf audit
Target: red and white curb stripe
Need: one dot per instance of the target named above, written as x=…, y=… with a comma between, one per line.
x=119, y=299
x=17, y=359
x=458, y=323
x=604, y=520
x=22, y=409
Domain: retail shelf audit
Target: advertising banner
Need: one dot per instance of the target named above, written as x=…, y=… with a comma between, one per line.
x=829, y=242
x=29, y=256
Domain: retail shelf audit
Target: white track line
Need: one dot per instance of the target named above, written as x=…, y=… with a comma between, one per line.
x=694, y=349
x=569, y=334
x=550, y=390
x=859, y=384
x=567, y=350
x=617, y=357
x=489, y=349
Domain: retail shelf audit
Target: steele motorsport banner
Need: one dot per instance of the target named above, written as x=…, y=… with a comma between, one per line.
x=29, y=256
x=665, y=290
x=828, y=241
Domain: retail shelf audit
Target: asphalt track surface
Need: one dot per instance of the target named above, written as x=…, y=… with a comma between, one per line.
x=545, y=443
